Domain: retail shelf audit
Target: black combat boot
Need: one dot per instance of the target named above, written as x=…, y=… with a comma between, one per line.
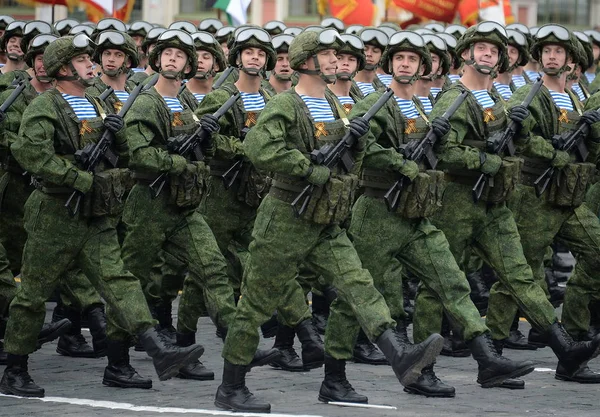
x=511, y=383
x=594, y=329
x=119, y=372
x=269, y=328
x=289, y=359
x=367, y=352
x=493, y=367
x=3, y=354
x=261, y=356
x=517, y=340
x=16, y=379
x=313, y=352
x=408, y=360
x=480, y=294
x=52, y=331
x=195, y=370
x=557, y=293
x=233, y=394
x=430, y=385
x=335, y=386
x=163, y=313
x=96, y=318
x=583, y=374
x=73, y=343
x=167, y=358
x=537, y=338
x=454, y=345
x=571, y=354
x=320, y=312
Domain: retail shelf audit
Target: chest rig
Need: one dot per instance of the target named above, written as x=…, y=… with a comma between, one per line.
x=330, y=203
x=249, y=184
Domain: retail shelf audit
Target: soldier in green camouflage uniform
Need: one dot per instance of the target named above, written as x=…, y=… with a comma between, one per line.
x=147, y=46
x=285, y=134
x=15, y=68
x=50, y=135
x=559, y=213
x=488, y=226
x=375, y=41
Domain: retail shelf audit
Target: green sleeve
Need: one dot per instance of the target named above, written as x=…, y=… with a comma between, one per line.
x=34, y=147
x=10, y=127
x=228, y=144
x=452, y=151
x=144, y=132
x=270, y=146
x=377, y=156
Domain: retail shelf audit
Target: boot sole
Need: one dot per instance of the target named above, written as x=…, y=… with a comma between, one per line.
x=173, y=369
x=416, y=391
x=266, y=360
x=58, y=332
x=195, y=378
x=285, y=368
x=571, y=379
x=520, y=347
x=9, y=391
x=116, y=384
x=367, y=362
x=324, y=399
x=313, y=365
x=497, y=381
x=65, y=352
x=228, y=407
x=433, y=349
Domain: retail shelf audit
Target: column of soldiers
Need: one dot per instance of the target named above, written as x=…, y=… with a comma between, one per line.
x=248, y=167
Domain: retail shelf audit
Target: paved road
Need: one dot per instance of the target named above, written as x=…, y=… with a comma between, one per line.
x=74, y=388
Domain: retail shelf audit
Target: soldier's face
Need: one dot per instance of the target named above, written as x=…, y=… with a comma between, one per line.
x=38, y=65
x=373, y=54
x=138, y=40
x=554, y=56
x=327, y=61
x=347, y=63
x=206, y=61
x=513, y=55
x=174, y=59
x=485, y=53
x=405, y=63
x=113, y=59
x=596, y=50
x=282, y=65
x=225, y=48
x=83, y=65
x=435, y=64
x=13, y=46
x=253, y=58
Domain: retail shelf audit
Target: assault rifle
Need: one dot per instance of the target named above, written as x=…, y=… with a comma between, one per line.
x=331, y=155
x=572, y=141
x=90, y=156
x=422, y=151
x=187, y=146
x=224, y=75
x=503, y=141
x=106, y=93
x=13, y=96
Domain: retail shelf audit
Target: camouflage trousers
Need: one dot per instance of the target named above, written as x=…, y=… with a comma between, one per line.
x=55, y=242
x=490, y=231
x=8, y=287
x=281, y=243
x=386, y=243
x=154, y=225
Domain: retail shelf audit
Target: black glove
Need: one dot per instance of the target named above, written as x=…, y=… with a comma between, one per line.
x=590, y=117
x=2, y=116
x=114, y=122
x=518, y=113
x=210, y=123
x=440, y=126
x=358, y=126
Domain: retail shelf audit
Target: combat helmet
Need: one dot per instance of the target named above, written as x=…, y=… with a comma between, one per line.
x=436, y=45
x=62, y=51
x=489, y=32
x=111, y=39
x=34, y=28
x=175, y=38
x=555, y=35
x=355, y=47
x=406, y=41
x=373, y=36
x=586, y=44
x=309, y=44
x=36, y=47
x=252, y=37
x=204, y=41
x=14, y=28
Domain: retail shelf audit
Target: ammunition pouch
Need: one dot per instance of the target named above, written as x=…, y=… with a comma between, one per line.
x=188, y=188
x=253, y=185
x=108, y=194
x=568, y=186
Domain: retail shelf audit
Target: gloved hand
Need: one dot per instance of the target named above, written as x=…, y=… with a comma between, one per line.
x=518, y=113
x=2, y=116
x=359, y=126
x=409, y=169
x=490, y=163
x=319, y=174
x=440, y=126
x=210, y=123
x=409, y=148
x=590, y=117
x=561, y=159
x=114, y=123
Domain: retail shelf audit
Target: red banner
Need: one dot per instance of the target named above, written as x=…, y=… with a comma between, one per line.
x=353, y=12
x=440, y=10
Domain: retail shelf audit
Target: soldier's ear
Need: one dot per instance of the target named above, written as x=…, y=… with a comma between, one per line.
x=63, y=71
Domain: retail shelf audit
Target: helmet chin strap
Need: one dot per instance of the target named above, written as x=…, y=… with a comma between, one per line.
x=204, y=75
x=405, y=79
x=557, y=72
x=281, y=77
x=76, y=77
x=15, y=57
x=482, y=69
x=329, y=79
x=370, y=67
x=345, y=76
x=115, y=73
x=255, y=72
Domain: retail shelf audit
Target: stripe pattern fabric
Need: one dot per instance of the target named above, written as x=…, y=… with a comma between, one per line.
x=562, y=100
x=483, y=98
x=407, y=107
x=84, y=110
x=253, y=101
x=427, y=106
x=319, y=108
x=365, y=88
x=173, y=104
x=504, y=90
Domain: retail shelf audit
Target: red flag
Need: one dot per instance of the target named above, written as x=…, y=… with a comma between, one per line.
x=440, y=10
x=353, y=12
x=509, y=17
x=469, y=12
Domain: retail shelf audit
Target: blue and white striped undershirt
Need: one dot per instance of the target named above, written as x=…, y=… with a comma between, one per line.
x=453, y=77
x=427, y=106
x=578, y=91
x=504, y=90
x=138, y=69
x=365, y=88
x=518, y=81
x=84, y=110
x=532, y=75
x=199, y=97
x=385, y=78
x=435, y=91
x=122, y=95
x=346, y=100
x=407, y=107
x=483, y=97
x=174, y=104
x=253, y=101
x=562, y=100
x=591, y=76
x=319, y=108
